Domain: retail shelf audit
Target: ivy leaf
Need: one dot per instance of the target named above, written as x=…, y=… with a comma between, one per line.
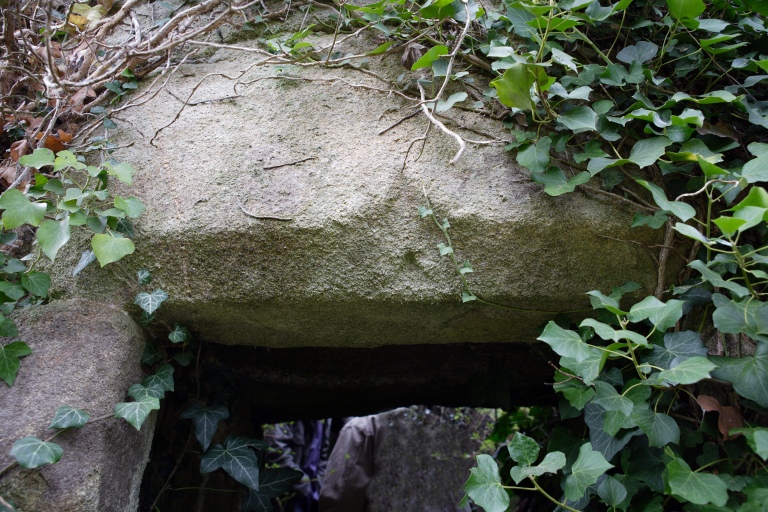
x=757, y=438
x=612, y=492
x=682, y=9
x=608, y=445
x=609, y=399
x=162, y=380
x=52, y=235
x=20, y=210
x=38, y=159
x=535, y=157
x=748, y=374
x=122, y=171
x=523, y=449
x=144, y=277
x=274, y=482
x=557, y=183
x=660, y=428
x=689, y=371
x=149, y=302
x=111, y=247
x=683, y=211
x=589, y=466
x=236, y=458
x=579, y=119
x=179, y=334
x=514, y=86
x=748, y=316
x=69, y=417
x=661, y=315
x=132, y=206
x=484, y=485
x=641, y=52
x=205, y=421
x=576, y=392
x=136, y=413
x=86, y=258
x=32, y=452
x=36, y=283
x=139, y=392
x=454, y=98
x=601, y=301
x=430, y=56
x=552, y=463
x=645, y=152
x=677, y=346
x=698, y=488
x=756, y=170
x=716, y=280
x=9, y=360
x=565, y=343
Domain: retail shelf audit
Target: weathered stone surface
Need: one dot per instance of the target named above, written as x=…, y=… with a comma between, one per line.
x=85, y=355
x=355, y=266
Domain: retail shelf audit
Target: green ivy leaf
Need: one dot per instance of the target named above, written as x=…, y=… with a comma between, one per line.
x=454, y=98
x=111, y=247
x=661, y=315
x=641, y=52
x=514, y=86
x=138, y=392
x=698, y=488
x=576, y=392
x=589, y=466
x=122, y=171
x=484, y=485
x=601, y=301
x=39, y=158
x=682, y=9
x=523, y=449
x=557, y=183
x=611, y=491
x=748, y=316
x=20, y=210
x=609, y=399
x=69, y=417
x=136, y=413
x=535, y=156
x=682, y=210
x=32, y=452
x=552, y=463
x=431, y=56
x=272, y=483
x=205, y=421
x=565, y=343
x=162, y=379
x=748, y=374
x=36, y=283
x=132, y=206
x=9, y=360
x=660, y=428
x=678, y=346
x=579, y=119
x=236, y=458
x=757, y=438
x=689, y=371
x=179, y=334
x=52, y=236
x=149, y=302
x=7, y=327
x=716, y=280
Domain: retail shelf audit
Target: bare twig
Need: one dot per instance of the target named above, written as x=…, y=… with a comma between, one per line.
x=462, y=144
x=267, y=167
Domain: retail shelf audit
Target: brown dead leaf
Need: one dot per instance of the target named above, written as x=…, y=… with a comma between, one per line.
x=708, y=403
x=728, y=417
x=720, y=129
x=77, y=100
x=56, y=142
x=19, y=149
x=7, y=175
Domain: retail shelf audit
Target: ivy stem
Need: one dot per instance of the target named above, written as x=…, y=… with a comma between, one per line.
x=550, y=498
